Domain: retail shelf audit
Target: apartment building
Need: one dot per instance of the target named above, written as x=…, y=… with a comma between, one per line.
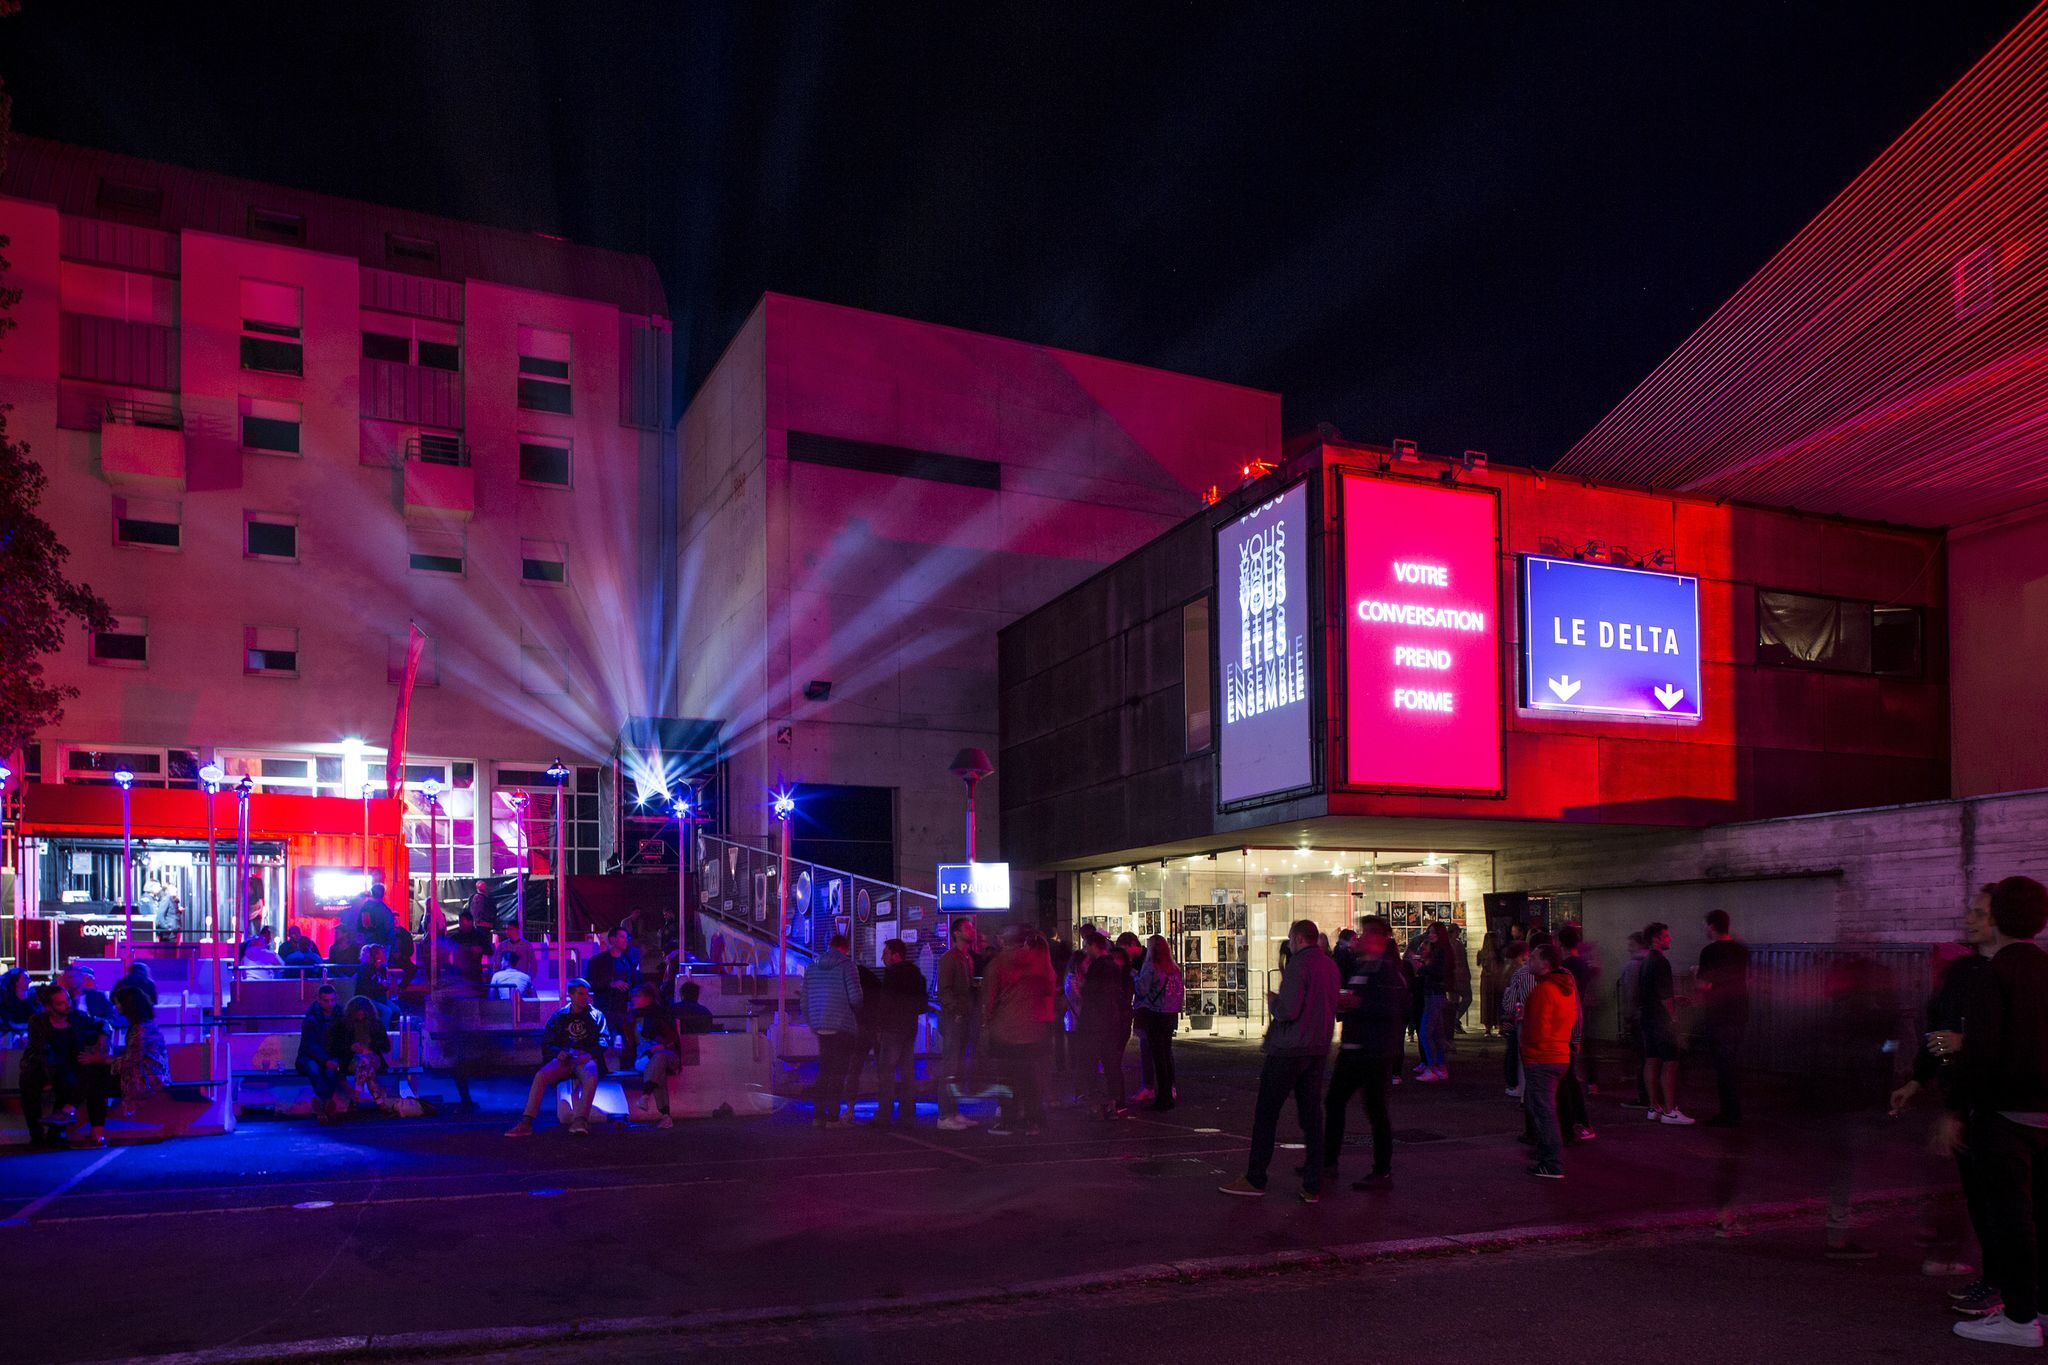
x=282, y=429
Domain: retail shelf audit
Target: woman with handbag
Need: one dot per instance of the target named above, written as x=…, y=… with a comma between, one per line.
x=1161, y=995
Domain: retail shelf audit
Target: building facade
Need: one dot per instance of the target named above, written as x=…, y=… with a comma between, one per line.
x=282, y=431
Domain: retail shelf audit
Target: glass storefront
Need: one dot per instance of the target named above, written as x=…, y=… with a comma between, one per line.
x=1226, y=913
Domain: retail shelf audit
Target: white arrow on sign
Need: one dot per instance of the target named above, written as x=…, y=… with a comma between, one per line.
x=1667, y=694
x=1564, y=687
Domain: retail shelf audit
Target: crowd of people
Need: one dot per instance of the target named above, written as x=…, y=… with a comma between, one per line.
x=83, y=1050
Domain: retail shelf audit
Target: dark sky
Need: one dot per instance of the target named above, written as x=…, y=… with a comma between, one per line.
x=1471, y=225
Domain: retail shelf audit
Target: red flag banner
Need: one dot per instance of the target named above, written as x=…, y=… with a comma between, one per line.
x=394, y=762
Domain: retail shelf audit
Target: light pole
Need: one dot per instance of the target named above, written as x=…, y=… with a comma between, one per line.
x=125, y=779
x=431, y=789
x=367, y=789
x=520, y=800
x=6, y=840
x=243, y=790
x=970, y=766
x=211, y=776
x=785, y=806
x=558, y=773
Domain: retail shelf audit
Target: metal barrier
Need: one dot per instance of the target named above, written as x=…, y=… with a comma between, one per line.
x=734, y=885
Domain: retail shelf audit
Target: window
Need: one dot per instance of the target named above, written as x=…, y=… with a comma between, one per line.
x=124, y=295
x=440, y=355
x=540, y=668
x=808, y=447
x=1196, y=688
x=276, y=225
x=434, y=549
x=543, y=561
x=543, y=460
x=270, y=535
x=413, y=251
x=377, y=346
x=271, y=320
x=143, y=204
x=270, y=427
x=146, y=522
x=429, y=673
x=544, y=370
x=514, y=841
x=271, y=651
x=124, y=644
x=1797, y=630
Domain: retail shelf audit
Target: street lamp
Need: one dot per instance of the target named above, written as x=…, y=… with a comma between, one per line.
x=520, y=801
x=243, y=791
x=785, y=807
x=125, y=779
x=971, y=766
x=558, y=773
x=212, y=775
x=366, y=790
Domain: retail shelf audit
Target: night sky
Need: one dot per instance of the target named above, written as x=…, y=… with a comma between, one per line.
x=1470, y=225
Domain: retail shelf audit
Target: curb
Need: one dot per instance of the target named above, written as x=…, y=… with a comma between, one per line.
x=468, y=1341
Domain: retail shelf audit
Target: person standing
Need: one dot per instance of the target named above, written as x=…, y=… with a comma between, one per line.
x=1374, y=1014
x=1659, y=1007
x=1438, y=979
x=1628, y=1025
x=376, y=919
x=1492, y=981
x=1161, y=996
x=831, y=1007
x=957, y=1017
x=2002, y=1065
x=1513, y=996
x=1297, y=1047
x=1105, y=1023
x=1572, y=1115
x=1723, y=981
x=613, y=974
x=898, y=1010
x=1549, y=1023
x=1017, y=1017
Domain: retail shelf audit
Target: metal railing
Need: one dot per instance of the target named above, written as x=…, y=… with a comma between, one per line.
x=444, y=450
x=735, y=884
x=134, y=412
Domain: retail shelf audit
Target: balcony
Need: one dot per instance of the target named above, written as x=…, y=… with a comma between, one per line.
x=142, y=448
x=395, y=392
x=438, y=479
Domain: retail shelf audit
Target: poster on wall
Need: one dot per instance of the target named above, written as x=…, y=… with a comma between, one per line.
x=1422, y=681
x=1262, y=650
x=1609, y=640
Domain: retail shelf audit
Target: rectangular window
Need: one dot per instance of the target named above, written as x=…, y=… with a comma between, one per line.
x=434, y=549
x=272, y=316
x=270, y=427
x=377, y=346
x=544, y=370
x=125, y=295
x=413, y=251
x=276, y=225
x=542, y=460
x=271, y=535
x=124, y=644
x=1196, y=689
x=429, y=673
x=271, y=651
x=1800, y=630
x=874, y=457
x=440, y=355
x=147, y=522
x=543, y=561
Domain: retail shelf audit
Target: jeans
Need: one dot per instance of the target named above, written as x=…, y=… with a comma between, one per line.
x=1358, y=1073
x=2012, y=1161
x=1141, y=1025
x=1025, y=1066
x=1722, y=1042
x=1281, y=1076
x=568, y=1066
x=1435, y=1024
x=87, y=1086
x=655, y=1069
x=1539, y=1099
x=320, y=1078
x=1159, y=1032
x=896, y=1078
x=1571, y=1099
x=1104, y=1052
x=952, y=1062
x=837, y=1053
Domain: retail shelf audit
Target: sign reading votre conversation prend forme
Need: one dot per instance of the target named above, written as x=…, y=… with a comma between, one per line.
x=1609, y=640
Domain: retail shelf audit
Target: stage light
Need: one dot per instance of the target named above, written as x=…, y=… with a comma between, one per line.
x=785, y=804
x=124, y=778
x=245, y=787
x=431, y=789
x=5, y=772
x=557, y=772
x=212, y=775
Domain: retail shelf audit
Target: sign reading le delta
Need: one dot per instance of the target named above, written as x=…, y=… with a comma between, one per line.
x=1599, y=638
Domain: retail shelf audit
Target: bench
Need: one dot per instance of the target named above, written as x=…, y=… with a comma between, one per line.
x=197, y=1104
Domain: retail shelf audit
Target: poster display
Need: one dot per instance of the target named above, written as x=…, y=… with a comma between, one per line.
x=1609, y=640
x=1421, y=636
x=1263, y=621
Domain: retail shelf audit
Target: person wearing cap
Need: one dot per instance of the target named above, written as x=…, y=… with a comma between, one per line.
x=571, y=1047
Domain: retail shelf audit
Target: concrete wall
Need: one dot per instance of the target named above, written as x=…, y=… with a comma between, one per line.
x=1998, y=622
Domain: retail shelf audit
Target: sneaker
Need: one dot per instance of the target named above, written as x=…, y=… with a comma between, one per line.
x=1584, y=1134
x=1432, y=1075
x=1243, y=1189
x=1309, y=1196
x=523, y=1128
x=1143, y=1095
x=1850, y=1251
x=1936, y=1266
x=2001, y=1330
x=1675, y=1119
x=1377, y=1181
x=1544, y=1170
x=956, y=1123
x=580, y=1127
x=1654, y=1115
x=1981, y=1300
x=1514, y=1092
x=667, y=1121
x=1974, y=1287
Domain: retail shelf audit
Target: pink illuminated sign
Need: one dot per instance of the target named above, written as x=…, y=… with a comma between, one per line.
x=1421, y=636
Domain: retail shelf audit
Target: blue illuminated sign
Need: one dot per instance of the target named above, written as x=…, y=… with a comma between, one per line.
x=1609, y=640
x=974, y=886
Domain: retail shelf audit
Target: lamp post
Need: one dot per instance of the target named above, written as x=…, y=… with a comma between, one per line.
x=211, y=776
x=558, y=773
x=125, y=779
x=520, y=801
x=971, y=766
x=785, y=806
x=243, y=791
x=366, y=790
x=6, y=840
x=431, y=789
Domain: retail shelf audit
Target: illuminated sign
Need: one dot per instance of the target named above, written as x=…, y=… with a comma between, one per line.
x=1262, y=649
x=971, y=886
x=1422, y=682
x=1609, y=640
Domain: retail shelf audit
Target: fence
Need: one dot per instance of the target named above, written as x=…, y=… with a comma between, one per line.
x=734, y=885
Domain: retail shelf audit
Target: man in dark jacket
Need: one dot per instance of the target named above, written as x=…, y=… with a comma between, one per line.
x=317, y=1062
x=376, y=918
x=1304, y=1016
x=2003, y=1083
x=1374, y=1005
x=572, y=1045
x=899, y=1005
x=1723, y=983
x=1105, y=1023
x=613, y=975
